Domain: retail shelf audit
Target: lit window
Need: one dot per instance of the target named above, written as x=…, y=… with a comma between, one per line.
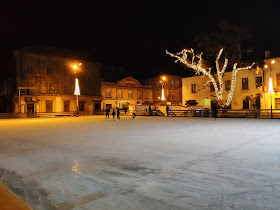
x=108, y=93
x=227, y=85
x=130, y=94
x=193, y=88
x=258, y=82
x=278, y=80
x=120, y=93
x=139, y=93
x=146, y=94
x=245, y=84
x=277, y=103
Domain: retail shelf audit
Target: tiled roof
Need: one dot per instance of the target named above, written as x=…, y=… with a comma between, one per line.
x=55, y=51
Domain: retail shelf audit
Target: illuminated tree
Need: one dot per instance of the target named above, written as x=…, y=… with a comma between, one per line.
x=195, y=62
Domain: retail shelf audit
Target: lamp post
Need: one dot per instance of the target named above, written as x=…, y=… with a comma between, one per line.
x=270, y=87
x=162, y=89
x=77, y=88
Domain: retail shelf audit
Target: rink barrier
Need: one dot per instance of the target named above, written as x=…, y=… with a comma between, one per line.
x=224, y=113
x=227, y=113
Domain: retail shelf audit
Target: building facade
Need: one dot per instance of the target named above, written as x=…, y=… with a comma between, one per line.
x=171, y=85
x=250, y=84
x=45, y=81
x=124, y=92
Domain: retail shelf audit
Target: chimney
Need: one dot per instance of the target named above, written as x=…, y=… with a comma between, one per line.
x=266, y=54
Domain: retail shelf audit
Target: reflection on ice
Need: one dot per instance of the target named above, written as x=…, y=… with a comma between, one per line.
x=76, y=169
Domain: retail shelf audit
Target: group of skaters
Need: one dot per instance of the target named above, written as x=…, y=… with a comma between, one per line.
x=118, y=113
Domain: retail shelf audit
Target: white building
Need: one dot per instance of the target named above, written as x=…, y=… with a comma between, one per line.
x=248, y=83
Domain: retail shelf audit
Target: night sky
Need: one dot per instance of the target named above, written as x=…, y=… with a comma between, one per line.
x=133, y=34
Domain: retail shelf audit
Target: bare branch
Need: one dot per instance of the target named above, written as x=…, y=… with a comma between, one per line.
x=193, y=61
x=244, y=68
x=204, y=86
x=233, y=81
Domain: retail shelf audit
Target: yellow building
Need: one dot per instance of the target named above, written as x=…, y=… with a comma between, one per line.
x=170, y=84
x=248, y=84
x=125, y=91
x=45, y=81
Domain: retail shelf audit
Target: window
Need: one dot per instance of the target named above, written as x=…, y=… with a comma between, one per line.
x=48, y=106
x=130, y=94
x=49, y=70
x=108, y=106
x=258, y=82
x=81, y=106
x=245, y=84
x=66, y=89
x=48, y=88
x=246, y=103
x=172, y=84
x=108, y=93
x=97, y=105
x=65, y=72
x=120, y=93
x=66, y=106
x=146, y=94
x=139, y=93
x=28, y=69
x=212, y=89
x=158, y=84
x=278, y=80
x=193, y=88
x=227, y=85
x=277, y=103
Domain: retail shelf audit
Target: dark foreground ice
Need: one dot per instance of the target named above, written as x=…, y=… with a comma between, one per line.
x=146, y=163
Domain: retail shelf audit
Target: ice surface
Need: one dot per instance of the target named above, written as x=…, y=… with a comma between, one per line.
x=146, y=163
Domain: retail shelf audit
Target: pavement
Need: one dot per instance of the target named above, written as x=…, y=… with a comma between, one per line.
x=9, y=201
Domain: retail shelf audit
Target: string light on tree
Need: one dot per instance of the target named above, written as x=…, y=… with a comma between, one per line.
x=195, y=62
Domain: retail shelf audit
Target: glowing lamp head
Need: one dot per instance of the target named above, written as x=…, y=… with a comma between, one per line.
x=80, y=64
x=163, y=78
x=266, y=66
x=273, y=61
x=75, y=66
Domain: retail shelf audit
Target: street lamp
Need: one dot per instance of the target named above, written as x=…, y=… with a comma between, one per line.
x=77, y=88
x=162, y=89
x=270, y=87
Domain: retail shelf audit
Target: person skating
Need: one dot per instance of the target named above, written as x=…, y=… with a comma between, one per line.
x=118, y=114
x=107, y=114
x=113, y=113
x=215, y=110
x=134, y=113
x=167, y=109
x=150, y=111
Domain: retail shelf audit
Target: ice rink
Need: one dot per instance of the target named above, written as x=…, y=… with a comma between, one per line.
x=147, y=163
